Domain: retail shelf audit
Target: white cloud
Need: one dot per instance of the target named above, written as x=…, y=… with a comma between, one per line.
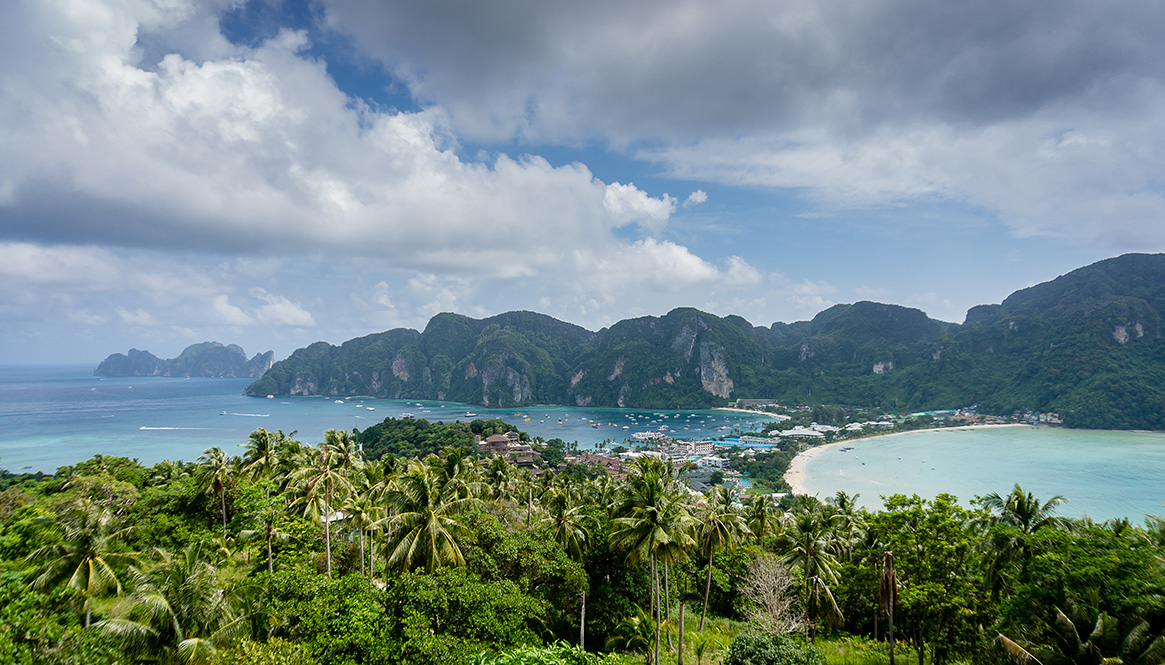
x=137, y=317
x=258, y=150
x=279, y=311
x=696, y=198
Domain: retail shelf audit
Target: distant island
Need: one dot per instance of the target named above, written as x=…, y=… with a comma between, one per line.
x=1085, y=349
x=208, y=359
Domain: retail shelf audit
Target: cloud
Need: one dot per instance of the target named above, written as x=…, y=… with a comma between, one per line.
x=279, y=311
x=257, y=151
x=1042, y=115
x=696, y=198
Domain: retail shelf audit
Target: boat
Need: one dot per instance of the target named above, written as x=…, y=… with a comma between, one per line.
x=370, y=408
x=595, y=425
x=339, y=401
x=470, y=414
x=406, y=414
x=268, y=397
x=223, y=413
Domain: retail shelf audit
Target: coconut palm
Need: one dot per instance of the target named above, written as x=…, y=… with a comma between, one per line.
x=1024, y=514
x=179, y=609
x=808, y=545
x=425, y=528
x=847, y=518
x=634, y=634
x=654, y=523
x=268, y=519
x=718, y=525
x=318, y=484
x=361, y=511
x=262, y=453
x=84, y=560
x=567, y=523
x=763, y=517
x=214, y=471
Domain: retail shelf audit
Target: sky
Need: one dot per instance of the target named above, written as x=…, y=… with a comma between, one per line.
x=272, y=173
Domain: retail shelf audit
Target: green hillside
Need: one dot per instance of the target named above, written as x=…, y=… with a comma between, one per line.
x=1087, y=345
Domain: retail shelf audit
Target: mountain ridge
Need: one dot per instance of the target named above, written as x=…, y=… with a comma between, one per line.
x=1087, y=344
x=205, y=359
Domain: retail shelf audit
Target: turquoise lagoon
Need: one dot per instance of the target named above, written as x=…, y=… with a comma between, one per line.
x=58, y=415
x=1103, y=474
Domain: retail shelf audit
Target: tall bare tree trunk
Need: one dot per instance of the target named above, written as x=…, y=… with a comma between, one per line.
x=707, y=591
x=655, y=592
x=680, y=652
x=328, y=529
x=667, y=600
x=582, y=624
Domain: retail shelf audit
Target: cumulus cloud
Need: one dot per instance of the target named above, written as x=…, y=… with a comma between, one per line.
x=1038, y=113
x=258, y=150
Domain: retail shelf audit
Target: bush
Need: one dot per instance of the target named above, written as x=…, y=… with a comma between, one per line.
x=779, y=649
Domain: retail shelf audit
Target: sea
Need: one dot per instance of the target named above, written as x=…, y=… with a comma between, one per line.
x=52, y=416
x=1103, y=474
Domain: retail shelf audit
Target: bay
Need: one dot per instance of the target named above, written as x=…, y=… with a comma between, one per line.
x=1103, y=474
x=52, y=416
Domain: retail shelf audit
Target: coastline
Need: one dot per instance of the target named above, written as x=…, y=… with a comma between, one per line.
x=774, y=416
x=795, y=474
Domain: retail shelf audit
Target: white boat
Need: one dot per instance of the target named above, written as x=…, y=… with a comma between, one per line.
x=271, y=397
x=470, y=414
x=370, y=409
x=339, y=401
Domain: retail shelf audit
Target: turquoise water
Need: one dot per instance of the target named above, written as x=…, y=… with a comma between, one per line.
x=58, y=415
x=1102, y=474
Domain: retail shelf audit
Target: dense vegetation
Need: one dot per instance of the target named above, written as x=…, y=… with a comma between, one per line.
x=449, y=559
x=1089, y=345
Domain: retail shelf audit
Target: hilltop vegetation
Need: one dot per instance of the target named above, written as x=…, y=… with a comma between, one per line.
x=308, y=554
x=1088, y=345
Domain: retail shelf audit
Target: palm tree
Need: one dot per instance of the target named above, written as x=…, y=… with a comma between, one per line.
x=567, y=523
x=1024, y=514
x=214, y=472
x=268, y=518
x=179, y=609
x=425, y=528
x=263, y=452
x=85, y=558
x=719, y=525
x=762, y=516
x=318, y=483
x=634, y=634
x=654, y=523
x=361, y=512
x=847, y=516
x=808, y=543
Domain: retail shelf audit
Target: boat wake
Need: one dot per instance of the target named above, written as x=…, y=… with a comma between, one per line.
x=173, y=428
x=251, y=415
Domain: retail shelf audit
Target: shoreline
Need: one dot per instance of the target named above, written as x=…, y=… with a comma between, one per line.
x=795, y=474
x=774, y=416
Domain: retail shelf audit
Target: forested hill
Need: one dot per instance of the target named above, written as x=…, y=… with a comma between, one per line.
x=208, y=359
x=1087, y=345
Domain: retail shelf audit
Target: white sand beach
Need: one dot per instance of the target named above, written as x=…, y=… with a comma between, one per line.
x=795, y=474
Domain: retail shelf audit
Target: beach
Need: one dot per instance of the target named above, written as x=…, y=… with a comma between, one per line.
x=795, y=474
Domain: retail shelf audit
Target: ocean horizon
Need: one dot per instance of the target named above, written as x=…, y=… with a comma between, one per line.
x=57, y=415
